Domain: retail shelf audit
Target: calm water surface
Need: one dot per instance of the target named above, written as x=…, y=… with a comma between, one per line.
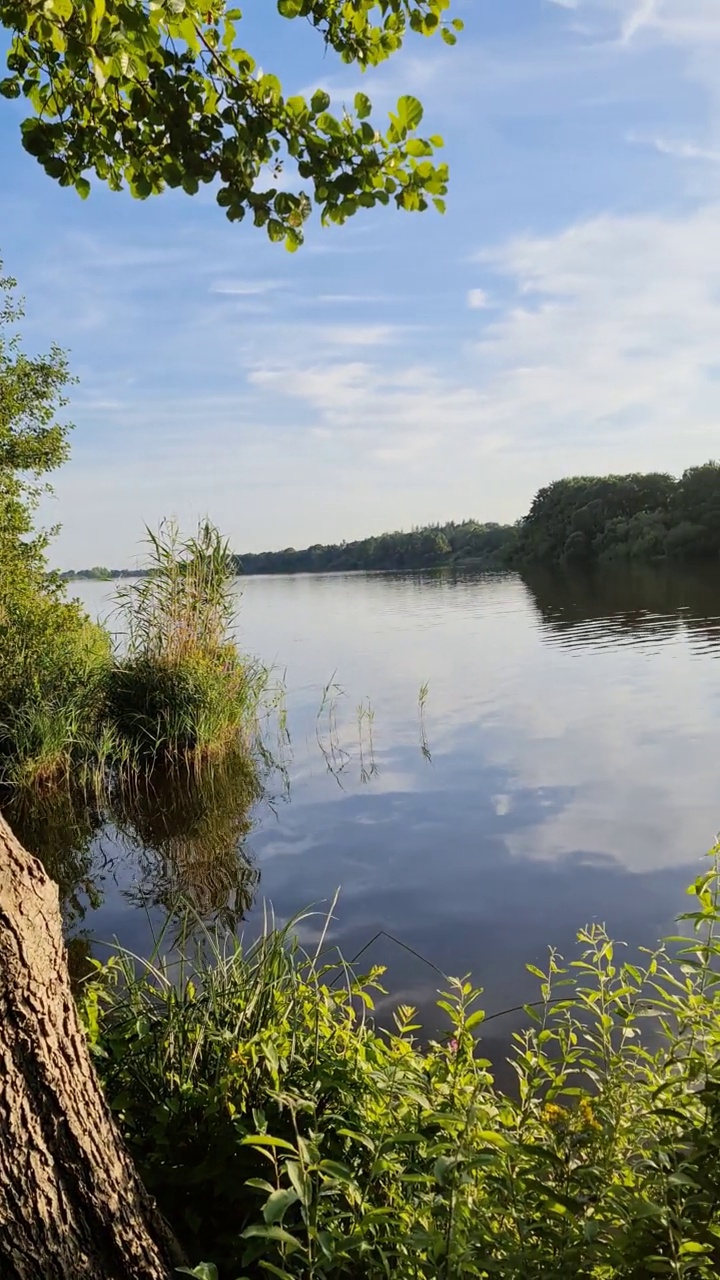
x=566, y=768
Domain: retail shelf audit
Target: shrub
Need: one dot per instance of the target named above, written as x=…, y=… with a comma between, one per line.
x=182, y=690
x=283, y=1134
x=53, y=688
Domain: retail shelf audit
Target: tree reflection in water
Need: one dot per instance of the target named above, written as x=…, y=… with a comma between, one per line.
x=629, y=604
x=181, y=834
x=187, y=833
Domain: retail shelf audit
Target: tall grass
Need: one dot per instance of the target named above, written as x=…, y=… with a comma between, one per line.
x=181, y=691
x=284, y=1135
x=186, y=604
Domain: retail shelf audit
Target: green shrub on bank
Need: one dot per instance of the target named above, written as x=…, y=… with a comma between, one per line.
x=283, y=1135
x=180, y=692
x=193, y=707
x=55, y=665
x=182, y=689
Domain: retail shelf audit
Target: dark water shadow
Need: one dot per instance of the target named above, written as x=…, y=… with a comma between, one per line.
x=168, y=843
x=620, y=604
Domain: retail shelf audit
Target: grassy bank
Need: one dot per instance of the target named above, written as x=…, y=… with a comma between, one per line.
x=284, y=1135
x=72, y=709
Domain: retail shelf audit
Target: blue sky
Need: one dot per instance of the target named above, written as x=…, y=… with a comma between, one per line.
x=564, y=316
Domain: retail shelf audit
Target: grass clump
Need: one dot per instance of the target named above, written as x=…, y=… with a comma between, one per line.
x=182, y=691
x=284, y=1135
x=74, y=712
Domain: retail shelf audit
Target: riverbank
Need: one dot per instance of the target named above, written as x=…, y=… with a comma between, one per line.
x=282, y=1134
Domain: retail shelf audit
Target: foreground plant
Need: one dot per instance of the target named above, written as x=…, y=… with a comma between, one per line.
x=283, y=1134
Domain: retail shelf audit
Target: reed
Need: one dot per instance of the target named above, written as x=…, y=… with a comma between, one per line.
x=181, y=690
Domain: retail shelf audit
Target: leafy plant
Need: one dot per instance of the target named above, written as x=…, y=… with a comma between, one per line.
x=284, y=1134
x=181, y=690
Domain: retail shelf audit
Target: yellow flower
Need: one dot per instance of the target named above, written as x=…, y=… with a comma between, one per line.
x=587, y=1116
x=553, y=1114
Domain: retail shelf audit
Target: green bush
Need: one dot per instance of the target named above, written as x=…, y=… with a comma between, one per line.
x=53, y=687
x=195, y=706
x=284, y=1135
x=182, y=690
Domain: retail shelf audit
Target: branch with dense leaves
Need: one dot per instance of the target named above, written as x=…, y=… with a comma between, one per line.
x=151, y=94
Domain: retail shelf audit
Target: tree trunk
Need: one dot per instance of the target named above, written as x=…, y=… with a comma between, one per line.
x=71, y=1203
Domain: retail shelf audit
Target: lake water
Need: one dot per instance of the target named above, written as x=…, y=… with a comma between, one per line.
x=563, y=767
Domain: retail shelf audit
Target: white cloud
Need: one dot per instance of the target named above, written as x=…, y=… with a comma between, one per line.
x=680, y=149
x=352, y=298
x=640, y=16
x=685, y=22
x=246, y=288
x=477, y=299
x=359, y=335
x=391, y=413
x=604, y=356
x=615, y=335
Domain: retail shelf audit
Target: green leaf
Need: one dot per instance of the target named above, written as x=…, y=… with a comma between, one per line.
x=82, y=186
x=276, y=232
x=265, y=1140
x=299, y=1179
x=442, y=1168
x=271, y=1233
x=320, y=101
x=277, y=1205
x=363, y=106
x=409, y=112
x=203, y=1271
x=336, y=1170
x=260, y=1184
x=475, y=1019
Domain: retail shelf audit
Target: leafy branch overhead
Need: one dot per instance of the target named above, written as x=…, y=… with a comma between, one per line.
x=152, y=94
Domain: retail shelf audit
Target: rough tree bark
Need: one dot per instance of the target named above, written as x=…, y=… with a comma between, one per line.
x=71, y=1203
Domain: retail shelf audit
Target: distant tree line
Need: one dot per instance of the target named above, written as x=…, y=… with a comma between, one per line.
x=98, y=572
x=468, y=543
x=599, y=519
x=581, y=520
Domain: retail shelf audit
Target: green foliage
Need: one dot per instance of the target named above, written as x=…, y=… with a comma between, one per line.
x=52, y=657
x=69, y=710
x=284, y=1135
x=482, y=545
x=591, y=519
x=163, y=95
x=182, y=690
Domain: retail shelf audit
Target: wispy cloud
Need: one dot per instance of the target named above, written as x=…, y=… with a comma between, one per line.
x=641, y=15
x=478, y=299
x=353, y=299
x=247, y=288
x=359, y=335
x=679, y=149
x=613, y=339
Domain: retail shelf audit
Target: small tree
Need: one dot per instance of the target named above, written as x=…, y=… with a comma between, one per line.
x=47, y=643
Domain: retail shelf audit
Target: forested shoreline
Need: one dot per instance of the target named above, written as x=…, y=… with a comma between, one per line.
x=574, y=521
